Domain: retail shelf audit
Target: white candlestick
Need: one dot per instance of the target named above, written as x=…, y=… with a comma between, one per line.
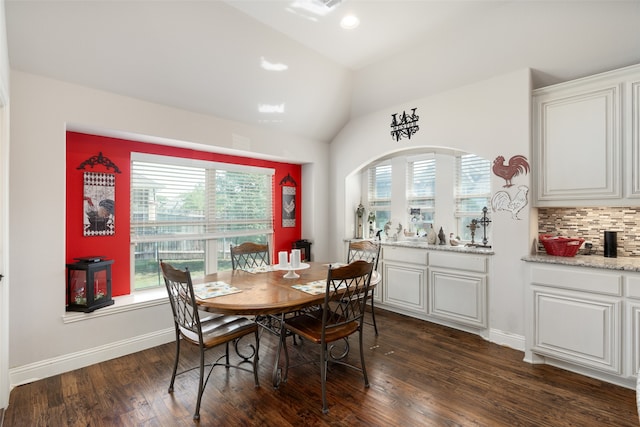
x=295, y=258
x=283, y=258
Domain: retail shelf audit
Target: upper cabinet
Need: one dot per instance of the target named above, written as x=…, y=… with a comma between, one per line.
x=585, y=136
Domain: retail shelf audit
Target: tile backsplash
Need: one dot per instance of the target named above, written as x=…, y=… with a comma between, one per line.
x=591, y=223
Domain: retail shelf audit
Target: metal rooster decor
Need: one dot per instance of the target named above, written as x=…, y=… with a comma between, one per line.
x=517, y=165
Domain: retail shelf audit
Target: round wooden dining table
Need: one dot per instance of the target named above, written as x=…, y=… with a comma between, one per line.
x=264, y=292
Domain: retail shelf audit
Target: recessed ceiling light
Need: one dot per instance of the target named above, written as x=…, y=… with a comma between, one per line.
x=271, y=108
x=349, y=22
x=271, y=66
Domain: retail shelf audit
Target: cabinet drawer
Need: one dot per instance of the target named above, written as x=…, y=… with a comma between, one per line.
x=458, y=262
x=580, y=280
x=633, y=287
x=414, y=256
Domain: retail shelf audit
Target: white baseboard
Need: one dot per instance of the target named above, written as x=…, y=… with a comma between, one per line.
x=68, y=362
x=506, y=339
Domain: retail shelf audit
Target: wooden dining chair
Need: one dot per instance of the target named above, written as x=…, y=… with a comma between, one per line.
x=368, y=251
x=341, y=316
x=205, y=333
x=249, y=255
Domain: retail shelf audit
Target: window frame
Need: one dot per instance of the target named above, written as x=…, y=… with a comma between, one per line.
x=215, y=229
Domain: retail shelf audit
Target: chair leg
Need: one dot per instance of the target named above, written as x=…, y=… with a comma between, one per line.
x=196, y=415
x=323, y=377
x=373, y=317
x=364, y=369
x=175, y=365
x=227, y=355
x=278, y=376
x=255, y=358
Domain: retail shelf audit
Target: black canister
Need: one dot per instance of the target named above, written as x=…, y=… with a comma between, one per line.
x=610, y=244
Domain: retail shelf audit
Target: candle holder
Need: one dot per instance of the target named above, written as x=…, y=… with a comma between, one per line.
x=89, y=284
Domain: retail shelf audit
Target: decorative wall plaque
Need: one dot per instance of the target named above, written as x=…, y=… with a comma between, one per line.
x=99, y=204
x=404, y=126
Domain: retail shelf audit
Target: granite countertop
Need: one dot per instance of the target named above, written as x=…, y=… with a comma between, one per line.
x=422, y=244
x=593, y=261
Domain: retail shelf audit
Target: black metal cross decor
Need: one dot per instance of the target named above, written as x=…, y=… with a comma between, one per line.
x=404, y=126
x=484, y=221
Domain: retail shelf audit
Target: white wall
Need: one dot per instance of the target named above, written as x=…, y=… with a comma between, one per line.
x=489, y=118
x=4, y=229
x=42, y=109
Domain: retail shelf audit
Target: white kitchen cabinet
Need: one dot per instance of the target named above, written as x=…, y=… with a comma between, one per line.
x=632, y=321
x=405, y=279
x=441, y=286
x=458, y=288
x=574, y=317
x=578, y=327
x=582, y=130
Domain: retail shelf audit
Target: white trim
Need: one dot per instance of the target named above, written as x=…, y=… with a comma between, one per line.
x=134, y=301
x=507, y=339
x=196, y=163
x=68, y=362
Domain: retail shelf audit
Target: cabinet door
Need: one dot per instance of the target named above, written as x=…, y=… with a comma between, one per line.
x=577, y=327
x=458, y=297
x=632, y=132
x=577, y=144
x=633, y=340
x=404, y=286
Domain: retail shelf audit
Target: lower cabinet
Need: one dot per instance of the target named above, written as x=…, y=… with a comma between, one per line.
x=584, y=319
x=439, y=286
x=579, y=328
x=458, y=297
x=404, y=280
x=406, y=287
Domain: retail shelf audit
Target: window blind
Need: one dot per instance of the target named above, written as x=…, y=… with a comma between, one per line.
x=380, y=185
x=176, y=201
x=421, y=181
x=473, y=183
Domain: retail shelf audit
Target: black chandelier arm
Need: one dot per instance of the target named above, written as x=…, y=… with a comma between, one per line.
x=99, y=160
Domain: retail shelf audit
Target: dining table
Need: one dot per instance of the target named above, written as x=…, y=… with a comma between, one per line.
x=267, y=292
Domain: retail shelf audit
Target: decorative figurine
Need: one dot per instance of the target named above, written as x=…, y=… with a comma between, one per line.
x=371, y=219
x=431, y=236
x=359, y=215
x=453, y=241
x=441, y=236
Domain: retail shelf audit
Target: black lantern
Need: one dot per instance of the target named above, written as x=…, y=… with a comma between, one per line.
x=89, y=284
x=305, y=249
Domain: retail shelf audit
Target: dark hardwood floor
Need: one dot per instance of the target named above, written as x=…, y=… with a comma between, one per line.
x=420, y=374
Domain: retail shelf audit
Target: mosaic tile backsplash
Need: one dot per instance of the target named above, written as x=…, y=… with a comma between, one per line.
x=591, y=223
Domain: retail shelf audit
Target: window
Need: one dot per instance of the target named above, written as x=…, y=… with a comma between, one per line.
x=473, y=192
x=421, y=182
x=380, y=194
x=188, y=212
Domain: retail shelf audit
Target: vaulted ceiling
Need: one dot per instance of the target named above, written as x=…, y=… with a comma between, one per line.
x=287, y=64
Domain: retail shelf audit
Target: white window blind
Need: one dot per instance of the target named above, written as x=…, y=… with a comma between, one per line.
x=172, y=201
x=421, y=181
x=380, y=186
x=473, y=184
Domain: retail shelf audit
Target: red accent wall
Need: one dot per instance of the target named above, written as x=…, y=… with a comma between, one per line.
x=81, y=147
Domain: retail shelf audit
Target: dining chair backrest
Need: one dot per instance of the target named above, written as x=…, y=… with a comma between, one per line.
x=364, y=250
x=345, y=297
x=183, y=301
x=249, y=255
